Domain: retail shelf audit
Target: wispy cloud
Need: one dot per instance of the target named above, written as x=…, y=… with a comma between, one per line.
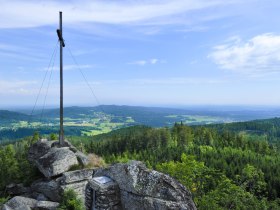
x=177, y=81
x=29, y=13
x=164, y=81
x=17, y=87
x=71, y=67
x=258, y=56
x=146, y=62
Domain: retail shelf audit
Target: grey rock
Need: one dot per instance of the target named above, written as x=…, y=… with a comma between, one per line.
x=106, y=193
x=56, y=161
x=21, y=203
x=17, y=189
x=39, y=149
x=46, y=205
x=82, y=158
x=65, y=144
x=140, y=185
x=76, y=176
x=53, y=189
x=136, y=202
x=5, y=207
x=78, y=187
x=39, y=196
x=50, y=189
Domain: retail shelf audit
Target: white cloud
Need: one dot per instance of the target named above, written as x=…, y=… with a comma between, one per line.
x=258, y=56
x=70, y=67
x=151, y=61
x=140, y=62
x=17, y=87
x=177, y=81
x=30, y=13
x=164, y=81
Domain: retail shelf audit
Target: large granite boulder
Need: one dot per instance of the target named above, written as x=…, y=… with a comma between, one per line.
x=82, y=158
x=56, y=161
x=49, y=188
x=76, y=176
x=39, y=149
x=76, y=180
x=19, y=202
x=52, y=159
x=53, y=189
x=23, y=203
x=142, y=188
x=46, y=205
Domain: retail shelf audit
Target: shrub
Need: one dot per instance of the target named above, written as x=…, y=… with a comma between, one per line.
x=70, y=201
x=3, y=200
x=75, y=167
x=95, y=161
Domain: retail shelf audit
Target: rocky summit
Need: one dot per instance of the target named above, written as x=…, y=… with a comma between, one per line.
x=128, y=186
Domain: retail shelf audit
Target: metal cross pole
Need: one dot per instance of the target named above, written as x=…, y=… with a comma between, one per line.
x=62, y=44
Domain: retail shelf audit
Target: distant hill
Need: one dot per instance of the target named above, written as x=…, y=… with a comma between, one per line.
x=8, y=116
x=88, y=121
x=156, y=116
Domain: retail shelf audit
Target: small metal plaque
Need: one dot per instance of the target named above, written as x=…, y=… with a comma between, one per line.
x=102, y=179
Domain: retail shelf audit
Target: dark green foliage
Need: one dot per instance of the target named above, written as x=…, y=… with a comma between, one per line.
x=70, y=201
x=223, y=169
x=231, y=166
x=14, y=166
x=53, y=136
x=3, y=200
x=266, y=130
x=230, y=196
x=75, y=167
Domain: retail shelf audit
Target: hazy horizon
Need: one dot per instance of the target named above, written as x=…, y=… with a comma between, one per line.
x=152, y=53
x=225, y=107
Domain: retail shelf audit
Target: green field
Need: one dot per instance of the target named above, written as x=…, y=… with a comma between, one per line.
x=90, y=121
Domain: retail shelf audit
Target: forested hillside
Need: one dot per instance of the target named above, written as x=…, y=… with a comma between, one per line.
x=268, y=129
x=223, y=169
x=227, y=166
x=90, y=121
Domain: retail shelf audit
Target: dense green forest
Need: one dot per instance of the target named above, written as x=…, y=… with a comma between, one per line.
x=223, y=169
x=227, y=166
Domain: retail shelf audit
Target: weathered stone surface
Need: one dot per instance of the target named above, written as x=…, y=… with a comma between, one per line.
x=106, y=192
x=39, y=149
x=56, y=161
x=46, y=205
x=76, y=176
x=82, y=158
x=140, y=185
x=78, y=187
x=53, y=189
x=17, y=189
x=139, y=202
x=133, y=184
x=50, y=189
x=21, y=203
x=39, y=196
x=5, y=207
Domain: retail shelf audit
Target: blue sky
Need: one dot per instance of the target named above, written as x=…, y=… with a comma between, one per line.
x=153, y=53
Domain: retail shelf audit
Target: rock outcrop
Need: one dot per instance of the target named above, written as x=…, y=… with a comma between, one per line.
x=22, y=203
x=142, y=188
x=52, y=160
x=56, y=161
x=131, y=186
